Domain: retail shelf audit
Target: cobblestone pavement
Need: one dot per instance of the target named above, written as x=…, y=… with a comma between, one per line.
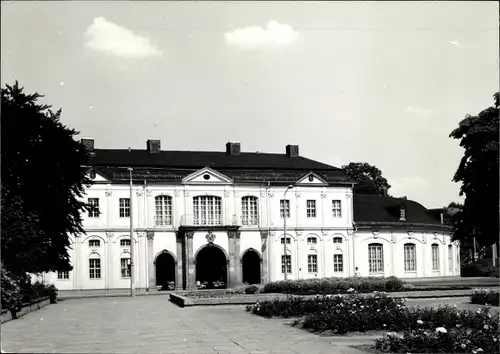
x=154, y=325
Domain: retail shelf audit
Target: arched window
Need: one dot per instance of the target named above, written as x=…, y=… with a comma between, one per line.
x=288, y=240
x=250, y=210
x=450, y=258
x=410, y=257
x=94, y=243
x=312, y=240
x=376, y=257
x=163, y=206
x=337, y=240
x=435, y=256
x=94, y=266
x=207, y=210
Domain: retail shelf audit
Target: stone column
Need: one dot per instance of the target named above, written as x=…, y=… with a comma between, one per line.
x=264, y=242
x=191, y=276
x=234, y=259
x=179, y=281
x=151, y=260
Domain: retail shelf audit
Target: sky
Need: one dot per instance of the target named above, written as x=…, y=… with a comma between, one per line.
x=377, y=82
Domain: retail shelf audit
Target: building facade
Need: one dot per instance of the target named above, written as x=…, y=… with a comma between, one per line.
x=217, y=219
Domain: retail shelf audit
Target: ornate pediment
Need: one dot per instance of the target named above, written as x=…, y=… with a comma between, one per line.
x=312, y=179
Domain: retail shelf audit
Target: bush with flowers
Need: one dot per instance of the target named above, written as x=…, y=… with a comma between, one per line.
x=484, y=296
x=334, y=285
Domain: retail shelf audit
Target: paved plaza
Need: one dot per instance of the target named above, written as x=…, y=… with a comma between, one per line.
x=151, y=324
x=154, y=325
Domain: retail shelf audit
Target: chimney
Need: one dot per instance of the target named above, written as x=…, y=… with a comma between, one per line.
x=233, y=148
x=153, y=146
x=88, y=143
x=292, y=150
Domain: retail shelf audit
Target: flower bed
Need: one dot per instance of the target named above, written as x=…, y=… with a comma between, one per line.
x=378, y=312
x=485, y=296
x=334, y=285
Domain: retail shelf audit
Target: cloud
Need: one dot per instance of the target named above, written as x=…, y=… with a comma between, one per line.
x=275, y=34
x=419, y=112
x=415, y=188
x=455, y=43
x=109, y=38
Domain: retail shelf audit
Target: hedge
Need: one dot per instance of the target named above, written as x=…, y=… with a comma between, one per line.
x=485, y=296
x=334, y=285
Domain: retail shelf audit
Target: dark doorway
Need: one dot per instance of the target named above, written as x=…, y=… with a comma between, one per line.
x=211, y=268
x=165, y=271
x=251, y=267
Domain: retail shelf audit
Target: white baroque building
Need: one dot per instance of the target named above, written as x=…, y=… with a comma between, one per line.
x=217, y=218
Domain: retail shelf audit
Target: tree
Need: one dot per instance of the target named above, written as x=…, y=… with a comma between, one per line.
x=43, y=181
x=369, y=178
x=478, y=173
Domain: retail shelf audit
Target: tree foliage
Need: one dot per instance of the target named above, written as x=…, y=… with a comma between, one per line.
x=43, y=179
x=368, y=178
x=478, y=173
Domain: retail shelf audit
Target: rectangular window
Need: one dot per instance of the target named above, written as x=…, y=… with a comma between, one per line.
x=311, y=208
x=250, y=211
x=288, y=240
x=207, y=210
x=376, y=258
x=288, y=261
x=312, y=241
x=124, y=264
x=336, y=209
x=410, y=257
x=163, y=209
x=62, y=274
x=435, y=257
x=312, y=263
x=285, y=208
x=125, y=242
x=93, y=207
x=450, y=258
x=124, y=207
x=338, y=263
x=94, y=243
x=95, y=268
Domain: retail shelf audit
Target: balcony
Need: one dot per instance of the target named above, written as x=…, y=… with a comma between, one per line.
x=163, y=221
x=249, y=220
x=218, y=220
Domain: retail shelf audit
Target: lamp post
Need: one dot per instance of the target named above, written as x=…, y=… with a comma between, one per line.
x=132, y=293
x=284, y=227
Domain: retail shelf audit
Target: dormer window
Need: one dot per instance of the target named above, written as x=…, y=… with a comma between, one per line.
x=402, y=213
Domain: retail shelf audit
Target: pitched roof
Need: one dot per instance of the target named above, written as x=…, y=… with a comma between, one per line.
x=174, y=165
x=379, y=209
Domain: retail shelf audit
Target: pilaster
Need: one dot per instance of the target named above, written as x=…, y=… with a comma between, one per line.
x=264, y=251
x=191, y=274
x=151, y=259
x=234, y=262
x=179, y=281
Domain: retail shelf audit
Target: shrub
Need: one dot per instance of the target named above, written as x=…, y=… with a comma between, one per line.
x=485, y=296
x=252, y=289
x=334, y=285
x=31, y=292
x=442, y=340
x=479, y=269
x=11, y=292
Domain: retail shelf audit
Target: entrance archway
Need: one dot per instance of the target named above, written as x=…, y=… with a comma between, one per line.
x=165, y=271
x=251, y=267
x=211, y=267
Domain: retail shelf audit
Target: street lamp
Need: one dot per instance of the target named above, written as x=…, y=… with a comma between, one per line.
x=284, y=227
x=132, y=293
